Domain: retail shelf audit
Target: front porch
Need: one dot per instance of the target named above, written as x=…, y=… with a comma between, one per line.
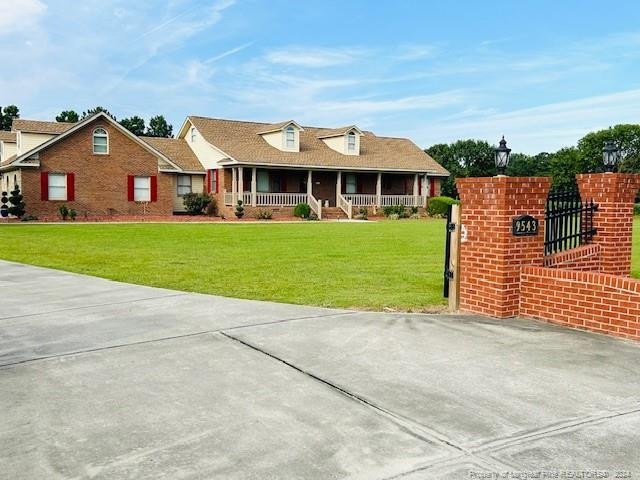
x=270, y=187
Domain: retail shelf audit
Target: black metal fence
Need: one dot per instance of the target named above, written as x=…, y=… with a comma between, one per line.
x=568, y=221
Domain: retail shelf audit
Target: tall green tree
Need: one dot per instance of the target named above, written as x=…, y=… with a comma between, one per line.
x=93, y=111
x=158, y=127
x=134, y=124
x=522, y=165
x=564, y=165
x=68, y=116
x=464, y=158
x=7, y=115
x=625, y=137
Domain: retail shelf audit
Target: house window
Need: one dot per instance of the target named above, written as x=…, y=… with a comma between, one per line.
x=184, y=185
x=291, y=137
x=214, y=181
x=193, y=134
x=351, y=184
x=100, y=141
x=142, y=189
x=263, y=181
x=351, y=142
x=57, y=186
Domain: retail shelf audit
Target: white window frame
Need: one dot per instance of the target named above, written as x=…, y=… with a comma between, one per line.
x=193, y=134
x=292, y=131
x=104, y=135
x=138, y=191
x=213, y=181
x=350, y=136
x=60, y=190
x=189, y=186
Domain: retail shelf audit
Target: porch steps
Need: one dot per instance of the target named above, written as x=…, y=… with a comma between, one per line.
x=333, y=213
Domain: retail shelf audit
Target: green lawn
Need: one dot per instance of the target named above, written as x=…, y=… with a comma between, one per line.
x=361, y=265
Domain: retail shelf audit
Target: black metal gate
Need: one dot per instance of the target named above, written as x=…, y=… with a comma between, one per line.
x=448, y=275
x=568, y=221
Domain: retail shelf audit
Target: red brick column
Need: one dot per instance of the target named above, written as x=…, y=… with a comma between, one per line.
x=491, y=257
x=614, y=193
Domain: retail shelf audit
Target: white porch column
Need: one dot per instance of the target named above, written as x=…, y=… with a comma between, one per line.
x=240, y=183
x=234, y=185
x=379, y=190
x=338, y=186
x=309, y=182
x=254, y=185
x=415, y=189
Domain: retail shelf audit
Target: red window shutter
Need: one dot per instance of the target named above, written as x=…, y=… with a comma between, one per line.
x=432, y=187
x=130, y=188
x=217, y=180
x=154, y=188
x=44, y=186
x=208, y=188
x=71, y=191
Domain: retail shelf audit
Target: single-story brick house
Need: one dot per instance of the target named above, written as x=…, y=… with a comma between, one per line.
x=99, y=168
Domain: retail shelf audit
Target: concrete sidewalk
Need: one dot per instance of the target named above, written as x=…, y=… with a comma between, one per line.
x=100, y=379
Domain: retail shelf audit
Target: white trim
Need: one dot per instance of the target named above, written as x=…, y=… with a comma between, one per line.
x=333, y=167
x=82, y=124
x=282, y=128
x=346, y=131
x=219, y=150
x=93, y=139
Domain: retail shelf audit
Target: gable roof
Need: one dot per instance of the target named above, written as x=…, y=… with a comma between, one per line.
x=242, y=142
x=7, y=136
x=278, y=126
x=336, y=132
x=39, y=126
x=74, y=127
x=178, y=151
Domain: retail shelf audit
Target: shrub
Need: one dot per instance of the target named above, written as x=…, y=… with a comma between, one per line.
x=440, y=205
x=239, y=209
x=29, y=218
x=636, y=209
x=4, y=209
x=302, y=210
x=393, y=216
x=312, y=217
x=73, y=214
x=399, y=210
x=212, y=208
x=195, y=203
x=414, y=211
x=64, y=211
x=264, y=215
x=17, y=205
x=363, y=213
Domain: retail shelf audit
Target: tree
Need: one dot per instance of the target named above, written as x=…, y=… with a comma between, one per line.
x=17, y=205
x=93, y=111
x=8, y=114
x=522, y=165
x=134, y=124
x=564, y=165
x=625, y=137
x=158, y=127
x=68, y=116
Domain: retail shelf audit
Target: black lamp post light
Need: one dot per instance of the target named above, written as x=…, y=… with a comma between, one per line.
x=610, y=156
x=502, y=154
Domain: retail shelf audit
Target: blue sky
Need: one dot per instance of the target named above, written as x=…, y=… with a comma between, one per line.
x=541, y=73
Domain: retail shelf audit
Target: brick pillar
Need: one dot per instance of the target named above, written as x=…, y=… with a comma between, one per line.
x=615, y=194
x=491, y=257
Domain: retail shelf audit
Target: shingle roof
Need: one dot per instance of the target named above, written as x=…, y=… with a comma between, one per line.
x=38, y=126
x=241, y=141
x=177, y=151
x=8, y=161
x=274, y=127
x=7, y=136
x=335, y=132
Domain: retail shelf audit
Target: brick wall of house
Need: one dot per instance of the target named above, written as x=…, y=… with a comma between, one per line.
x=585, y=258
x=100, y=180
x=491, y=257
x=591, y=301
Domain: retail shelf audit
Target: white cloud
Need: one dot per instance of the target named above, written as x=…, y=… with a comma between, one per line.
x=415, y=52
x=313, y=57
x=19, y=15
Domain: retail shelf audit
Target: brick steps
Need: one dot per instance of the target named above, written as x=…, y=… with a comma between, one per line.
x=333, y=213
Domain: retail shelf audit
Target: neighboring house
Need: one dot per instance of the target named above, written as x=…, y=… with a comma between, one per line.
x=280, y=165
x=99, y=168
x=95, y=166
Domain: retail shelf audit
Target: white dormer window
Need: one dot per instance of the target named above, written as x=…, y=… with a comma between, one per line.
x=290, y=138
x=100, y=141
x=351, y=142
x=193, y=134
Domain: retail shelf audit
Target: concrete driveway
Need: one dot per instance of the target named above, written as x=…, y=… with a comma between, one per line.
x=100, y=379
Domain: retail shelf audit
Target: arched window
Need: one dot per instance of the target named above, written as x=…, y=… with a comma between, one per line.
x=193, y=134
x=351, y=142
x=100, y=141
x=290, y=137
x=15, y=181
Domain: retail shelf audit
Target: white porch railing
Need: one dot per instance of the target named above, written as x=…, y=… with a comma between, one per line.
x=371, y=199
x=346, y=206
x=315, y=205
x=267, y=199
